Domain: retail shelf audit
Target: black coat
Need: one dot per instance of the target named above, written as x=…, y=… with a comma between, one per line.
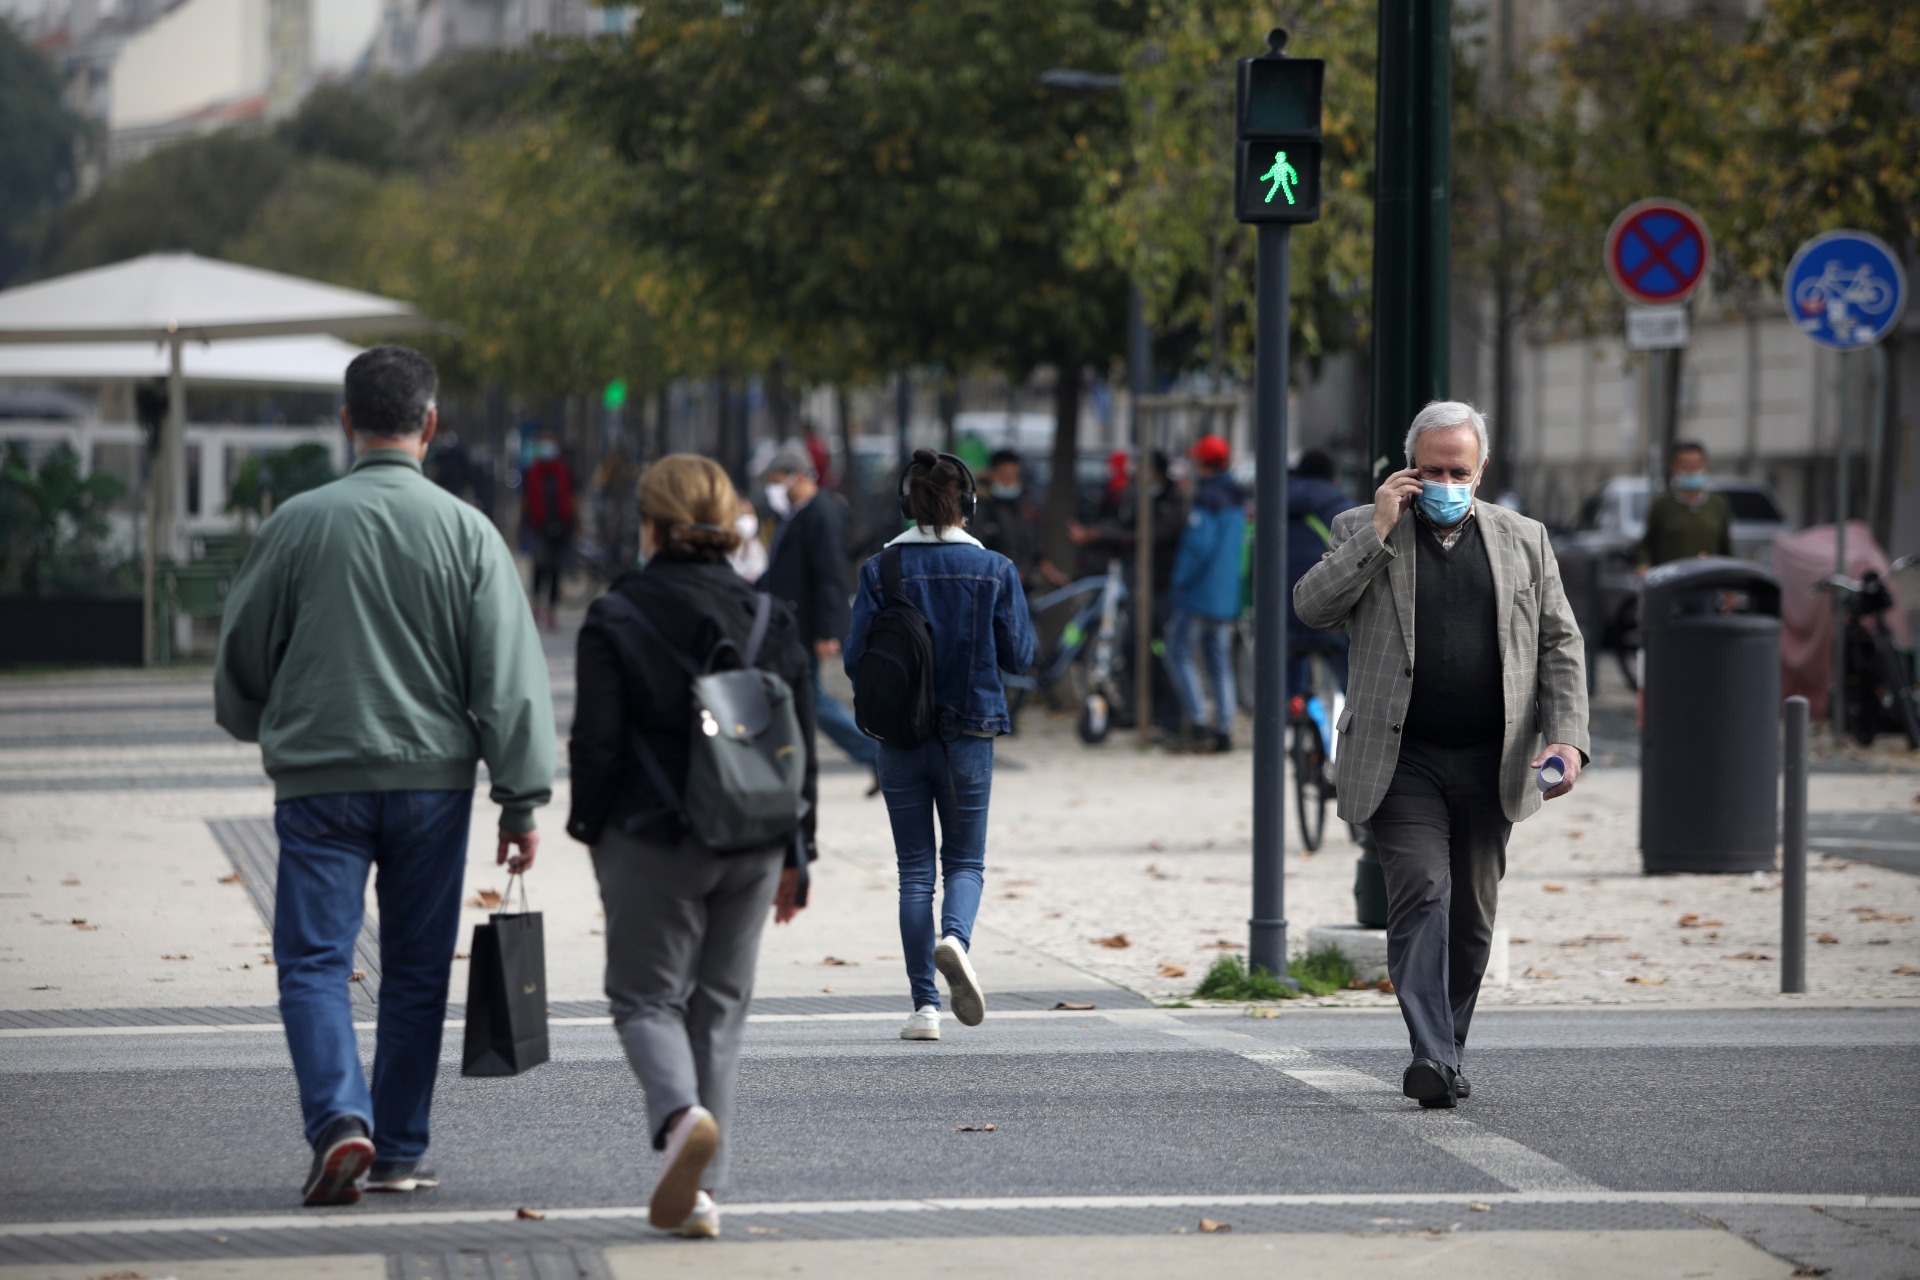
x=695, y=605
x=808, y=570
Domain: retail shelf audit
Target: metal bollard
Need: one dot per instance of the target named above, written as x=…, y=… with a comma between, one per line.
x=1793, y=851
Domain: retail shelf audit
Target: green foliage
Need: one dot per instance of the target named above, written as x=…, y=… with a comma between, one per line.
x=53, y=524
x=264, y=481
x=1164, y=212
x=875, y=183
x=37, y=139
x=1321, y=972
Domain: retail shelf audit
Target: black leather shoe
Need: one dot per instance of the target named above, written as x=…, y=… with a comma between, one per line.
x=1461, y=1089
x=1429, y=1083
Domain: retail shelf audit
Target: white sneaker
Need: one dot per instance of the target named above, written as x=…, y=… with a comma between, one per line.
x=691, y=1142
x=923, y=1025
x=969, y=1001
x=704, y=1222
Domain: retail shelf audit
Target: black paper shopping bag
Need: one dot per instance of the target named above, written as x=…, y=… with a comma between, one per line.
x=506, y=995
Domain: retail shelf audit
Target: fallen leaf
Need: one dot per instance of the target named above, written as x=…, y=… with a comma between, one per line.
x=1210, y=1225
x=1543, y=974
x=827, y=991
x=1224, y=945
x=530, y=1215
x=1574, y=942
x=84, y=927
x=233, y=877
x=1606, y=937
x=1153, y=846
x=486, y=899
x=1011, y=897
x=989, y=1127
x=1905, y=971
x=459, y=955
x=1826, y=939
x=1157, y=873
x=1477, y=1207
x=1693, y=920
x=1553, y=888
x=1118, y=942
x=1172, y=971
x=1072, y=1006
x=1262, y=1013
x=358, y=975
x=1811, y=1271
x=1748, y=955
x=763, y=1231
x=1636, y=955
x=1576, y=835
x=838, y=963
x=70, y=881
x=165, y=957
x=1648, y=982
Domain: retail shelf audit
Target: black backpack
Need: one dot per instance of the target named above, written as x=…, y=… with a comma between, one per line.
x=893, y=687
x=746, y=759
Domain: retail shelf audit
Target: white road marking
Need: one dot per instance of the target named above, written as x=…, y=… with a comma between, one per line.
x=360, y=1220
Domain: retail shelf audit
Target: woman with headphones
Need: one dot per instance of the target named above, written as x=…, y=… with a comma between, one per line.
x=976, y=610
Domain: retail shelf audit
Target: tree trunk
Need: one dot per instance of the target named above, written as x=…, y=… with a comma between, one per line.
x=1063, y=487
x=779, y=399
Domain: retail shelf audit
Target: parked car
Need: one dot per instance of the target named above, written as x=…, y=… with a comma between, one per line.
x=1597, y=554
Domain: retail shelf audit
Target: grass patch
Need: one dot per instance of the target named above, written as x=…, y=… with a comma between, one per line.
x=1319, y=973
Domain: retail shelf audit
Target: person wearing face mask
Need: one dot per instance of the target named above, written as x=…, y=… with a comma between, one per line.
x=1688, y=520
x=749, y=560
x=1004, y=522
x=1465, y=660
x=807, y=568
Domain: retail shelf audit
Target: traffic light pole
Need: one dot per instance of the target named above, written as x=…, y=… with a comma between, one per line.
x=1267, y=943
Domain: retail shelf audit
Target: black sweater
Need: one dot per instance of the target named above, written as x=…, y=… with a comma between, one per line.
x=1458, y=695
x=695, y=604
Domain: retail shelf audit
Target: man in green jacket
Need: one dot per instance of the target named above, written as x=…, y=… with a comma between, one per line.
x=1688, y=520
x=377, y=644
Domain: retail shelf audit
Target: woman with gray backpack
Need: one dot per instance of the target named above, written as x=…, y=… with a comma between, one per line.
x=693, y=782
x=936, y=619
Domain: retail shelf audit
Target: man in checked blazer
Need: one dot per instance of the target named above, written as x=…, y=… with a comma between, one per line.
x=1464, y=659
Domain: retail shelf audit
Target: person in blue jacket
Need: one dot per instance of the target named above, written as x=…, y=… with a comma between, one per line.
x=977, y=610
x=1313, y=500
x=1206, y=598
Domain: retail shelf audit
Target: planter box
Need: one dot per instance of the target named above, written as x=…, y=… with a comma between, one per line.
x=69, y=629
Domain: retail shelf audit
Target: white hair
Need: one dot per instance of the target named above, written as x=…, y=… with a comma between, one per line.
x=1439, y=415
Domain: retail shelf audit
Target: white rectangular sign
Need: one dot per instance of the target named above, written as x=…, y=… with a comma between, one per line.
x=1656, y=328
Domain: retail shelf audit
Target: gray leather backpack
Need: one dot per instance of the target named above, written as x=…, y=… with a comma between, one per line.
x=747, y=761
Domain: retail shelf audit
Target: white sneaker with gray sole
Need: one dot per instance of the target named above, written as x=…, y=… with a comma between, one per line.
x=691, y=1142
x=969, y=1001
x=923, y=1025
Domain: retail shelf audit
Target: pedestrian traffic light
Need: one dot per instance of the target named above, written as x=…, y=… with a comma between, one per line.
x=1277, y=122
x=615, y=396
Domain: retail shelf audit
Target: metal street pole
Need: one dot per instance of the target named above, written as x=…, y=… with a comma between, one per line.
x=1837, y=711
x=1267, y=943
x=1139, y=357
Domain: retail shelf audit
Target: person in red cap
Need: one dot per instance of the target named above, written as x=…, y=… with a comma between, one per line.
x=1206, y=597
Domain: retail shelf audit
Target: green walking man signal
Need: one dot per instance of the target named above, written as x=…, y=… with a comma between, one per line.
x=1282, y=175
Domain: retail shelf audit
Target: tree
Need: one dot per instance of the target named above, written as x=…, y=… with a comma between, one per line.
x=875, y=184
x=38, y=135
x=53, y=523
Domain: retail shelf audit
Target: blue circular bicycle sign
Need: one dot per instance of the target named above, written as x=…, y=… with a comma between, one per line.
x=1845, y=290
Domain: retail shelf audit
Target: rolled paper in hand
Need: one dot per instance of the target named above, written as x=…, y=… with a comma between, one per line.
x=1553, y=772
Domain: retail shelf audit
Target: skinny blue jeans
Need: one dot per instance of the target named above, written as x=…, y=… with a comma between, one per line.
x=1215, y=638
x=418, y=842
x=952, y=780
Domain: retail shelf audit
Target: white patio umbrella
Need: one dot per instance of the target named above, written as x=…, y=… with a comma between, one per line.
x=312, y=362
x=177, y=299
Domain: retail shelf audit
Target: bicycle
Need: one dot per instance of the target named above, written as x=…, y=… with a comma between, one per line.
x=1879, y=692
x=1087, y=653
x=1312, y=742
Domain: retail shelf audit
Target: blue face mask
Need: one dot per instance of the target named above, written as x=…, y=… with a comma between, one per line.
x=1446, y=504
x=1690, y=481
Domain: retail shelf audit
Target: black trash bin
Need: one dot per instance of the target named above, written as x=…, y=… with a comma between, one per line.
x=1710, y=741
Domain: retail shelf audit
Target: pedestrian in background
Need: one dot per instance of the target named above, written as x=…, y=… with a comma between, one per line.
x=1313, y=501
x=1206, y=598
x=547, y=517
x=749, y=559
x=807, y=568
x=683, y=921
x=1004, y=522
x=376, y=644
x=973, y=601
x=1688, y=519
x=1465, y=657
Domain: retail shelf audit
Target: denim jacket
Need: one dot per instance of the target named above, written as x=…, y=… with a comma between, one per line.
x=974, y=600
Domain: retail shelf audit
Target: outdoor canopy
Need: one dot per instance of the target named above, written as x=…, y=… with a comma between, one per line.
x=314, y=362
x=177, y=299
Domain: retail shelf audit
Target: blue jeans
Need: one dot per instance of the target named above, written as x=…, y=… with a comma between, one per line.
x=834, y=720
x=418, y=840
x=1215, y=635
x=954, y=780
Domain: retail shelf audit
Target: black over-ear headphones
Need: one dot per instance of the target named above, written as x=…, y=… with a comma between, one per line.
x=969, y=493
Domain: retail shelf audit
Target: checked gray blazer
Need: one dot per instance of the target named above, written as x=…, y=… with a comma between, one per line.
x=1366, y=589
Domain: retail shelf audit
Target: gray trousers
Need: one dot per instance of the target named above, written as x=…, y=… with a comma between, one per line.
x=1442, y=838
x=683, y=935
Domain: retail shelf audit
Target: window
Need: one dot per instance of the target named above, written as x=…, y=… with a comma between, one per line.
x=1752, y=504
